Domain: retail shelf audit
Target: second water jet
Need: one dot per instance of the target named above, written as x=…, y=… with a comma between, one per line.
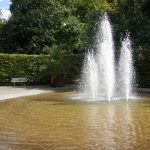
x=126, y=70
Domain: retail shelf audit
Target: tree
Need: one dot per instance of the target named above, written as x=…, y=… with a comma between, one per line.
x=126, y=18
x=2, y=22
x=36, y=23
x=146, y=7
x=70, y=25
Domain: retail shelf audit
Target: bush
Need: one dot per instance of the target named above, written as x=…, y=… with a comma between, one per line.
x=31, y=67
x=27, y=66
x=72, y=66
x=143, y=68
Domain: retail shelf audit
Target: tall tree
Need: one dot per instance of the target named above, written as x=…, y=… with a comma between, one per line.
x=36, y=23
x=2, y=22
x=126, y=18
x=69, y=24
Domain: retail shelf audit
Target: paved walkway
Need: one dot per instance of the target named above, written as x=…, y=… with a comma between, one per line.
x=9, y=92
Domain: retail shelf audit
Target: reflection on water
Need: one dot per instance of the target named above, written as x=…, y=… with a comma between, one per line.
x=111, y=126
x=52, y=122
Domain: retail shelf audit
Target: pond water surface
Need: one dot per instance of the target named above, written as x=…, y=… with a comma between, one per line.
x=53, y=122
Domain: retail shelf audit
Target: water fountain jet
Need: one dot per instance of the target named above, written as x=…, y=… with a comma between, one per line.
x=126, y=69
x=105, y=50
x=99, y=80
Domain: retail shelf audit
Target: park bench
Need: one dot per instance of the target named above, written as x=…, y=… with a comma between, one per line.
x=18, y=80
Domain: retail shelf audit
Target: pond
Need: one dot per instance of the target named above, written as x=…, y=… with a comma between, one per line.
x=52, y=121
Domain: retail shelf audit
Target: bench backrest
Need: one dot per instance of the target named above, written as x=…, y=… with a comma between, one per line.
x=19, y=80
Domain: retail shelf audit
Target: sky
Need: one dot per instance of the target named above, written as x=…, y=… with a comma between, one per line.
x=4, y=6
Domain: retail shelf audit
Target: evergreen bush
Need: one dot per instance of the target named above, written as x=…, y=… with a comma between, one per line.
x=31, y=67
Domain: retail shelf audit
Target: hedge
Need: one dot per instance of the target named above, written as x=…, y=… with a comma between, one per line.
x=143, y=68
x=29, y=66
x=15, y=65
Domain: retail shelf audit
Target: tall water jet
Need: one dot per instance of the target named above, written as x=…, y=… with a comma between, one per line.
x=90, y=76
x=99, y=71
x=126, y=69
x=105, y=50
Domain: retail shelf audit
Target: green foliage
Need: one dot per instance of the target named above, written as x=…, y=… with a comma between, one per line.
x=143, y=68
x=34, y=24
x=54, y=62
x=2, y=23
x=125, y=19
x=38, y=68
x=71, y=24
x=59, y=62
x=72, y=66
x=54, y=52
x=21, y=66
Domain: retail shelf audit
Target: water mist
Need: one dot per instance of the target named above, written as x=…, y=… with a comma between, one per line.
x=126, y=69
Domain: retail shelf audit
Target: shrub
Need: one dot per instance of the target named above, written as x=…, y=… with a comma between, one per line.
x=33, y=68
x=143, y=68
x=72, y=66
x=28, y=66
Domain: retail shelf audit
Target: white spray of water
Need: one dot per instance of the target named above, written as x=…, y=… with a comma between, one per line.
x=90, y=76
x=105, y=50
x=126, y=69
x=99, y=79
x=99, y=71
x=93, y=76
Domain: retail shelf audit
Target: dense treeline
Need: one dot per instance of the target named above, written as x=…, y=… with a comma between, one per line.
x=71, y=24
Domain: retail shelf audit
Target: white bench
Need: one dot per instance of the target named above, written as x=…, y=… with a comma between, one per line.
x=18, y=80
